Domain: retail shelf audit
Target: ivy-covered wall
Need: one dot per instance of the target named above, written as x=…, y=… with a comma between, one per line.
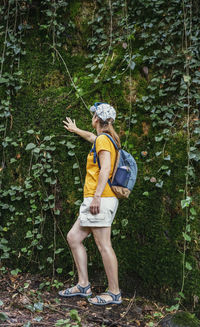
x=57, y=59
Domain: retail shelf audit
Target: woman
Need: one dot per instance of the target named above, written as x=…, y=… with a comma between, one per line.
x=98, y=208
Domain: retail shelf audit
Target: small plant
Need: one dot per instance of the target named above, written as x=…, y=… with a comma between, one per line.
x=68, y=323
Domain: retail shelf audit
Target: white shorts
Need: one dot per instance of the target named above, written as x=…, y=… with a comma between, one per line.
x=106, y=216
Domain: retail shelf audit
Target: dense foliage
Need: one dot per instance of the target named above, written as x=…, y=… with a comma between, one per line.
x=58, y=58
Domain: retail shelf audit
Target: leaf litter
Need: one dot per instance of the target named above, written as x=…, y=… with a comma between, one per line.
x=24, y=304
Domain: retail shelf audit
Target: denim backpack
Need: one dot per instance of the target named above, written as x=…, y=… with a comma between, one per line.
x=124, y=173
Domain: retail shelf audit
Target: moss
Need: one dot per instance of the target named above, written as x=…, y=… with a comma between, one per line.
x=75, y=7
x=185, y=319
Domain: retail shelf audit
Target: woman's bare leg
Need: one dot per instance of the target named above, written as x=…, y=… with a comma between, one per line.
x=103, y=242
x=75, y=237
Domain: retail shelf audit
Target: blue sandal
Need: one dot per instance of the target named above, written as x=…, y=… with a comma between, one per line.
x=83, y=291
x=102, y=301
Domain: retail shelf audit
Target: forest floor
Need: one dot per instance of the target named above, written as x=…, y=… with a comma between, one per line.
x=29, y=300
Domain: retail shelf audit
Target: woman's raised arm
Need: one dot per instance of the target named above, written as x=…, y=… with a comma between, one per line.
x=71, y=127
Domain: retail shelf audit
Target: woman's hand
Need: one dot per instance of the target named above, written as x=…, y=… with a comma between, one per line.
x=95, y=205
x=70, y=125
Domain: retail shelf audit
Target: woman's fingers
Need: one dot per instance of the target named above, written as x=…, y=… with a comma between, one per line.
x=94, y=210
x=95, y=207
x=69, y=124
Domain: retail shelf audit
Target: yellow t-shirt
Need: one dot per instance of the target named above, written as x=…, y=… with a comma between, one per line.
x=92, y=169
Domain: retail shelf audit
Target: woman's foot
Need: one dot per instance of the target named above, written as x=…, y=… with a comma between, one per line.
x=77, y=290
x=106, y=298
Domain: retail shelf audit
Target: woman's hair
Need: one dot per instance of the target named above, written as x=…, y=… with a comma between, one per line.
x=108, y=128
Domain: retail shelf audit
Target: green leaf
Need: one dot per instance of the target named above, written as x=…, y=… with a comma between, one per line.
x=1, y=303
x=59, y=270
x=75, y=166
x=193, y=211
x=132, y=65
x=4, y=241
x=29, y=234
x=62, y=142
x=38, y=306
x=57, y=212
x=158, y=153
x=181, y=295
x=78, y=202
x=70, y=145
x=124, y=222
x=3, y=80
x=158, y=138
x=47, y=138
x=115, y=231
x=173, y=308
x=15, y=272
x=145, y=193
x=186, y=237
x=74, y=315
x=59, y=250
x=159, y=184
x=30, y=131
x=186, y=202
x=27, y=324
x=163, y=168
x=188, y=266
x=12, y=160
x=71, y=153
x=30, y=146
x=49, y=259
x=186, y=78
x=38, y=318
x=3, y=316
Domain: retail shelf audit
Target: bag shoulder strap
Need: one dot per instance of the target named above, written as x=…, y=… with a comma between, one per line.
x=96, y=158
x=94, y=148
x=111, y=139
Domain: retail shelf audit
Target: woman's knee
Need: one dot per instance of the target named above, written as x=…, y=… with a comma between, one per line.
x=71, y=238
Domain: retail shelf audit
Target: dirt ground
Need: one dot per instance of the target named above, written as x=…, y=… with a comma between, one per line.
x=24, y=303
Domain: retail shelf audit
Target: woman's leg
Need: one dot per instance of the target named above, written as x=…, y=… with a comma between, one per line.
x=103, y=242
x=75, y=237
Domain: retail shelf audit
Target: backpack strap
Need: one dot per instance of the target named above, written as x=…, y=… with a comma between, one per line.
x=110, y=137
x=96, y=158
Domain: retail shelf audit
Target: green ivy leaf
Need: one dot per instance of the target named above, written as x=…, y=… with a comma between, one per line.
x=75, y=166
x=188, y=266
x=193, y=211
x=186, y=202
x=132, y=65
x=15, y=272
x=59, y=251
x=38, y=306
x=49, y=259
x=71, y=153
x=3, y=316
x=30, y=131
x=30, y=146
x=29, y=234
x=186, y=237
x=3, y=80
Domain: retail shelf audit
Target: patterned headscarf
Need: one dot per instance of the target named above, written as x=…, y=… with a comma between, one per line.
x=103, y=111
